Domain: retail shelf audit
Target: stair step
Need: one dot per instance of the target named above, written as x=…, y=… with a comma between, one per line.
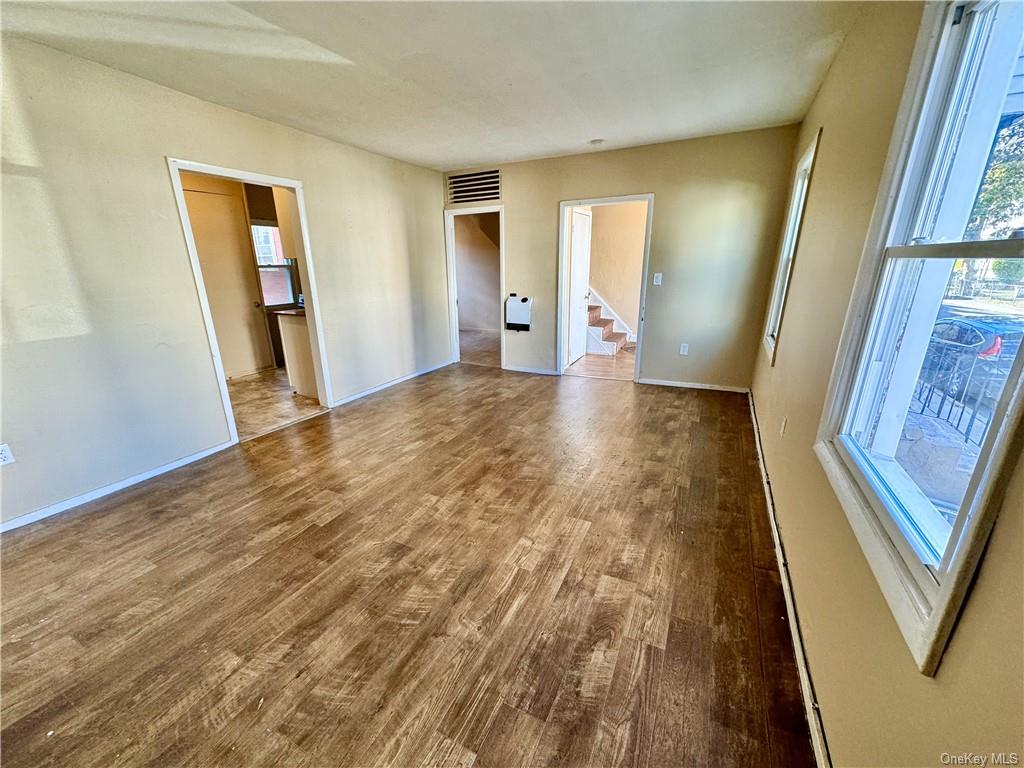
x=618, y=339
x=606, y=325
x=593, y=313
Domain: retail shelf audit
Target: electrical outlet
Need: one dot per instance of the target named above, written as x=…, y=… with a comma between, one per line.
x=684, y=349
x=6, y=455
x=782, y=429
x=657, y=278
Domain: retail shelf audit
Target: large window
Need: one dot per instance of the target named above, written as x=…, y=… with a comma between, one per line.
x=787, y=250
x=927, y=393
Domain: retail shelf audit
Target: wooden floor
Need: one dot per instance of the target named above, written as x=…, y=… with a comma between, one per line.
x=264, y=401
x=472, y=568
x=619, y=366
x=480, y=348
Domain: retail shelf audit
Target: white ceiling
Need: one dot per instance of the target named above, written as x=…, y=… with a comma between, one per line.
x=454, y=85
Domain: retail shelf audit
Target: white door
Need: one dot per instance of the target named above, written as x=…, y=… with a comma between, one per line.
x=579, y=284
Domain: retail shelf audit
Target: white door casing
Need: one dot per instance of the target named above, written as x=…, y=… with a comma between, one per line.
x=579, y=283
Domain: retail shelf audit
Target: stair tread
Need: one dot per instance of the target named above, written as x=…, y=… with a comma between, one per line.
x=602, y=322
x=615, y=336
x=592, y=307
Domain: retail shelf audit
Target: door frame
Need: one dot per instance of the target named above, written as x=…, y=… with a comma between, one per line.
x=312, y=303
x=453, y=285
x=562, y=326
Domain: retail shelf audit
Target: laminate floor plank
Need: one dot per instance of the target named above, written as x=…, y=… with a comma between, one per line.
x=472, y=568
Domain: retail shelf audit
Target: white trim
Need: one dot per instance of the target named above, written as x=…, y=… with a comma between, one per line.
x=630, y=335
x=926, y=620
x=106, y=490
x=391, y=383
x=453, y=285
x=542, y=371
x=973, y=249
x=693, y=385
x=811, y=710
x=321, y=365
x=561, y=325
x=312, y=302
x=204, y=304
x=784, y=262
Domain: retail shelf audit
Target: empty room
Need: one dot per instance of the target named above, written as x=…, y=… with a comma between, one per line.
x=512, y=384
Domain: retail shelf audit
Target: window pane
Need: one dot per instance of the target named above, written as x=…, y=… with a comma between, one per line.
x=975, y=187
x=947, y=334
x=999, y=208
x=276, y=284
x=267, y=243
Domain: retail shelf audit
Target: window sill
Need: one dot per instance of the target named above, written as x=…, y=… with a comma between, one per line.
x=899, y=490
x=908, y=604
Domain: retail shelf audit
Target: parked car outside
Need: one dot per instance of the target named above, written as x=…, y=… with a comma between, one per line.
x=971, y=350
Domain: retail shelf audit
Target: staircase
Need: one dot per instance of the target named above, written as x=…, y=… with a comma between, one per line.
x=602, y=338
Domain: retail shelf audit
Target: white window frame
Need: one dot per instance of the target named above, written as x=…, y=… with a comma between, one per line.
x=787, y=249
x=925, y=599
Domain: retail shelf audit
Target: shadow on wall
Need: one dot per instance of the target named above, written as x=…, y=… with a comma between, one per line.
x=68, y=362
x=42, y=294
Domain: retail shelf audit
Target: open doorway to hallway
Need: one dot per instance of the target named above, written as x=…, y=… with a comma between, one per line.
x=251, y=267
x=602, y=265
x=474, y=243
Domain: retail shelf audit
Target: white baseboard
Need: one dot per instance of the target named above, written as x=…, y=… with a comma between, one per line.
x=67, y=504
x=393, y=382
x=542, y=371
x=693, y=385
x=814, y=722
x=63, y=506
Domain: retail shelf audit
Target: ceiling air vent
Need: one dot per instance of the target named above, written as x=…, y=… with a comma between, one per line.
x=474, y=187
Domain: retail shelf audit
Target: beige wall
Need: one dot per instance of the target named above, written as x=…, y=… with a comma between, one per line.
x=718, y=207
x=221, y=231
x=877, y=709
x=106, y=368
x=477, y=264
x=617, y=236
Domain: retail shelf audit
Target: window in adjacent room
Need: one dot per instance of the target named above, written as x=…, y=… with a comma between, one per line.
x=790, y=238
x=925, y=408
x=278, y=275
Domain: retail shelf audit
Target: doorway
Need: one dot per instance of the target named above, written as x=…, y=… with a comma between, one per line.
x=604, y=246
x=249, y=250
x=474, y=238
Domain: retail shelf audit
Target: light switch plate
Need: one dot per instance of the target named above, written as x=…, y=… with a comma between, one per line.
x=6, y=455
x=684, y=349
x=657, y=278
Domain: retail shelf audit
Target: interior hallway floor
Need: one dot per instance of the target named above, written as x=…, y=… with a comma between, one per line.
x=480, y=348
x=619, y=366
x=449, y=572
x=264, y=401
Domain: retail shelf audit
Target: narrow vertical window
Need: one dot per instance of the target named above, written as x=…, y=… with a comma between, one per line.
x=787, y=251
